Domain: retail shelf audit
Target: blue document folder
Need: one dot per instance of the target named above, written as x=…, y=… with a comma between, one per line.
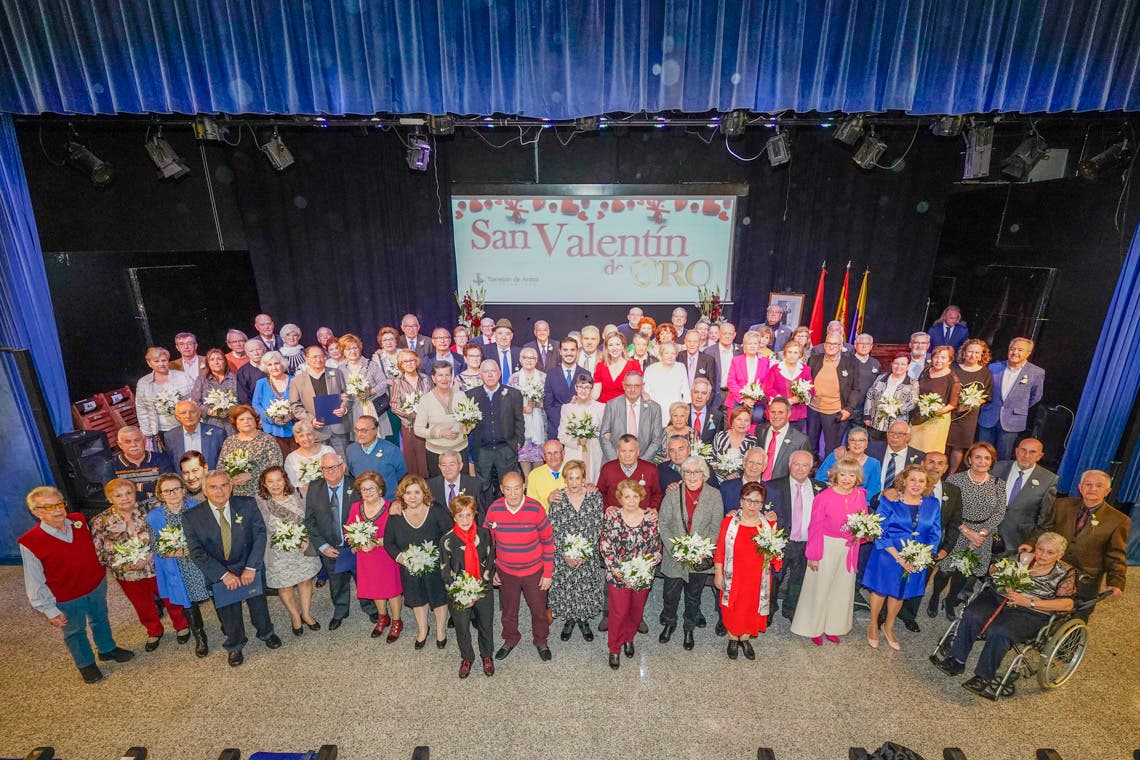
x=223, y=597
x=345, y=561
x=323, y=407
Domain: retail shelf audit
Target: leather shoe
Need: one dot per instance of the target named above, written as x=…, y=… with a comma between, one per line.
x=604, y=623
x=465, y=668
x=949, y=609
x=420, y=643
x=948, y=665
x=932, y=609
x=701, y=622
x=544, y=654
x=488, y=667
x=627, y=647
x=615, y=661
x=394, y=632
x=377, y=631
x=118, y=654
x=335, y=623
x=182, y=638
x=720, y=629
x=667, y=633
x=152, y=644
x=912, y=626
x=313, y=626
x=584, y=627
x=642, y=627
x=504, y=650
x=441, y=643
x=298, y=631
x=235, y=658
x=374, y=617
x=688, y=642
x=91, y=673
x=567, y=630
x=273, y=642
x=733, y=649
x=749, y=652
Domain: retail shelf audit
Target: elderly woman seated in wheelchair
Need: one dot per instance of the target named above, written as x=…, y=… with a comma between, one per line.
x=1035, y=622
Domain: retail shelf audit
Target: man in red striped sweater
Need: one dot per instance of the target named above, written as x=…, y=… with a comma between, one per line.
x=524, y=561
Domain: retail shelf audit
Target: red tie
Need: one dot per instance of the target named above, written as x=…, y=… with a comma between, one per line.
x=697, y=424
x=771, y=454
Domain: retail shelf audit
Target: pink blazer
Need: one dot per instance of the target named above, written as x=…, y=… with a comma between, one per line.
x=775, y=384
x=738, y=377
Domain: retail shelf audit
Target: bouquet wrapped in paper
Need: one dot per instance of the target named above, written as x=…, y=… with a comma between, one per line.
x=288, y=537
x=1011, y=575
x=801, y=391
x=887, y=411
x=753, y=392
x=533, y=392
x=692, y=551
x=964, y=562
x=465, y=590
x=170, y=540
x=410, y=403
x=237, y=462
x=582, y=427
x=130, y=552
x=770, y=541
x=421, y=559
x=279, y=410
x=971, y=397
x=359, y=388
x=917, y=554
x=728, y=463
x=577, y=547
x=165, y=401
x=219, y=401
x=864, y=526
x=361, y=535
x=467, y=412
x=928, y=406
x=637, y=573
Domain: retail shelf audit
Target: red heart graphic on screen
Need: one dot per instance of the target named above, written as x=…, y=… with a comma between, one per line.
x=553, y=207
x=723, y=216
x=710, y=208
x=678, y=205
x=601, y=214
x=462, y=204
x=618, y=206
x=605, y=204
x=569, y=207
x=538, y=205
x=582, y=216
x=586, y=203
x=458, y=214
x=694, y=207
x=476, y=206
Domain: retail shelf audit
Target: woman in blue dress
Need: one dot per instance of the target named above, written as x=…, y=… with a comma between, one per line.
x=914, y=515
x=179, y=579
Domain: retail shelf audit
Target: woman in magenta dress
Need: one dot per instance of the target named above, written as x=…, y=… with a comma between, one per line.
x=781, y=375
x=377, y=574
x=609, y=374
x=742, y=573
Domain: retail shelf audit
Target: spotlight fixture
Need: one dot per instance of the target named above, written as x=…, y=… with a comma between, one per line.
x=869, y=151
x=87, y=163
x=734, y=123
x=279, y=156
x=207, y=129
x=1028, y=154
x=851, y=129
x=1115, y=155
x=441, y=125
x=979, y=149
x=166, y=160
x=586, y=124
x=419, y=153
x=778, y=148
x=947, y=126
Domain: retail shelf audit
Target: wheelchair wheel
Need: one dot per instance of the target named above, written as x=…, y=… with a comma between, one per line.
x=944, y=643
x=1062, y=653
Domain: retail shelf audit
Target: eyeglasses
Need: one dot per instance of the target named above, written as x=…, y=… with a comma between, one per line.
x=58, y=506
x=171, y=491
x=369, y=489
x=691, y=472
x=751, y=501
x=331, y=467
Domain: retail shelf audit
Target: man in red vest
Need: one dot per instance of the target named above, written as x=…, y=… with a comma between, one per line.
x=65, y=581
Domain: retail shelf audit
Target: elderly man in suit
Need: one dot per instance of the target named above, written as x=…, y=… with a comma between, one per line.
x=454, y=481
x=669, y=471
x=774, y=319
x=495, y=439
x=722, y=353
x=949, y=330
x=226, y=540
x=628, y=414
x=326, y=511
x=264, y=332
x=792, y=497
x=441, y=351
x=1029, y=491
x=311, y=381
x=193, y=435
x=1018, y=386
x=894, y=454
x=503, y=353
x=411, y=338
x=1097, y=534
x=919, y=354
x=547, y=354
x=778, y=439
x=250, y=372
x=560, y=383
x=837, y=397
x=755, y=462
x=697, y=364
x=628, y=329
x=705, y=418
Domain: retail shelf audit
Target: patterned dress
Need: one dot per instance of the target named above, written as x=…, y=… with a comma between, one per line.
x=983, y=506
x=263, y=452
x=534, y=424
x=109, y=529
x=620, y=543
x=285, y=568
x=175, y=570
x=577, y=593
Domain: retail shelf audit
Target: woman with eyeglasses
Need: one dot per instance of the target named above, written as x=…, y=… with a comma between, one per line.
x=377, y=574
x=406, y=388
x=261, y=450
x=179, y=579
x=742, y=574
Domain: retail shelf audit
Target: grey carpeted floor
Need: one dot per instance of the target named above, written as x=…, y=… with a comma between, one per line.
x=379, y=701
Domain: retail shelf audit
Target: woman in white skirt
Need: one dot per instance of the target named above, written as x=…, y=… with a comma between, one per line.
x=826, y=604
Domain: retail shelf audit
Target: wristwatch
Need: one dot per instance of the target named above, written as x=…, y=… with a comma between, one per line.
x=1032, y=604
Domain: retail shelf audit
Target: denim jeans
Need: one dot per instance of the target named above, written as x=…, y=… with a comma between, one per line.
x=90, y=607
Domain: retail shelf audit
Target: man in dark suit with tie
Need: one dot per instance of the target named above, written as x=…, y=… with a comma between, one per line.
x=193, y=435
x=226, y=540
x=1030, y=491
x=705, y=420
x=722, y=354
x=495, y=439
x=453, y=481
x=697, y=364
x=411, y=338
x=560, y=384
x=264, y=327
x=893, y=454
x=326, y=511
x=754, y=462
x=502, y=352
x=949, y=330
x=629, y=414
x=547, y=353
x=778, y=439
x=791, y=498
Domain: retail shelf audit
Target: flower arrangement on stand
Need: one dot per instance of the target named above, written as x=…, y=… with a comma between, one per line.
x=708, y=301
x=471, y=307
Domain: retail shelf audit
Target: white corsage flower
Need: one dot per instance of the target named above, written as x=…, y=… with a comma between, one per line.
x=504, y=392
x=1035, y=482
x=1025, y=381
x=238, y=519
x=844, y=373
x=77, y=523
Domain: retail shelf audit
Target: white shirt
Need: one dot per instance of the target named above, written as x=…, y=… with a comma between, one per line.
x=1008, y=380
x=666, y=385
x=772, y=432
x=726, y=357
x=937, y=492
x=588, y=362
x=799, y=532
x=1012, y=478
x=35, y=580
x=915, y=369
x=225, y=511
x=193, y=441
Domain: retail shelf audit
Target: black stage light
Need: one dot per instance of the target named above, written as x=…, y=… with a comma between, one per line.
x=87, y=163
x=869, y=151
x=851, y=129
x=441, y=125
x=734, y=123
x=779, y=148
x=1116, y=155
x=419, y=153
x=1028, y=154
x=586, y=124
x=279, y=156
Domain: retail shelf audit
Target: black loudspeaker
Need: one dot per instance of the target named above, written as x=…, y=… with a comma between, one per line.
x=84, y=453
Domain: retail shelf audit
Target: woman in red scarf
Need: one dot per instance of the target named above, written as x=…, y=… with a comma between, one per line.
x=467, y=548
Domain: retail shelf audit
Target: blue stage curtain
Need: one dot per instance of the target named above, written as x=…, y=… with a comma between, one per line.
x=567, y=58
x=26, y=316
x=1113, y=380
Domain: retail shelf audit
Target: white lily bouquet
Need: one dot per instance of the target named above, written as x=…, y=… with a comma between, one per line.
x=533, y=392
x=410, y=404
x=310, y=470
x=582, y=427
x=359, y=388
x=971, y=396
x=928, y=406
x=169, y=540
x=467, y=412
x=421, y=559
x=964, y=562
x=887, y=411
x=728, y=463
x=770, y=541
x=916, y=553
x=577, y=547
x=801, y=391
x=237, y=462
x=692, y=551
x=863, y=525
x=165, y=401
x=130, y=551
x=391, y=371
x=753, y=392
x=703, y=450
x=288, y=537
x=219, y=401
x=637, y=573
x=465, y=590
x=360, y=535
x=279, y=410
x=1011, y=575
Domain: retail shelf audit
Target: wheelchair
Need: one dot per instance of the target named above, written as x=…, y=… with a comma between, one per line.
x=1054, y=654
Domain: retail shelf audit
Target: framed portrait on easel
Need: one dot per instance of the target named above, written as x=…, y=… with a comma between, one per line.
x=792, y=304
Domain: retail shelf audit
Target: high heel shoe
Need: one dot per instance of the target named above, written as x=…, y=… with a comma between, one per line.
x=817, y=640
x=441, y=643
x=313, y=626
x=297, y=630
x=421, y=643
x=394, y=632
x=891, y=642
x=832, y=639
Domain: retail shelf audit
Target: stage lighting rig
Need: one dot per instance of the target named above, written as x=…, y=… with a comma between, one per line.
x=734, y=123
x=1028, y=154
x=851, y=129
x=947, y=126
x=279, y=156
x=207, y=129
x=869, y=151
x=1114, y=156
x=778, y=148
x=419, y=152
x=80, y=158
x=586, y=124
x=979, y=149
x=441, y=125
x=165, y=158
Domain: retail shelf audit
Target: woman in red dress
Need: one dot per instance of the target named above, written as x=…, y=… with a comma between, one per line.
x=742, y=574
x=377, y=574
x=609, y=375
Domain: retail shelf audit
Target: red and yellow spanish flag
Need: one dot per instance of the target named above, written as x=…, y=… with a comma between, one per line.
x=860, y=309
x=841, y=309
x=816, y=323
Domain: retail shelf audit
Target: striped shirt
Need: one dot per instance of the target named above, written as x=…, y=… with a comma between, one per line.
x=524, y=540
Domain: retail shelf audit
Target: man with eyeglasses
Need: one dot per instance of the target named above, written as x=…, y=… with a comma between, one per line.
x=326, y=511
x=188, y=360
x=375, y=454
x=65, y=581
x=236, y=343
x=835, y=375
